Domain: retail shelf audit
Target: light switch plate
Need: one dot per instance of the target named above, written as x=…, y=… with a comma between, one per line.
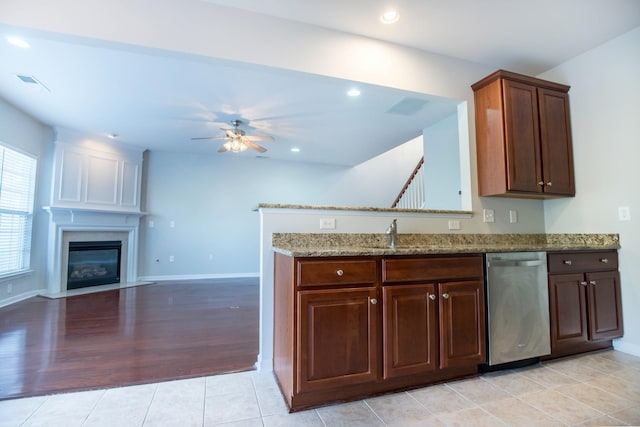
x=513, y=216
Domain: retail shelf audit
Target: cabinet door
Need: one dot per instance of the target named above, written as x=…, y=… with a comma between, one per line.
x=555, y=142
x=410, y=330
x=337, y=338
x=605, y=307
x=522, y=132
x=567, y=309
x=462, y=327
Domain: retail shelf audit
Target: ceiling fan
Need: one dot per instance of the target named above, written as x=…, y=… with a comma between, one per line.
x=238, y=140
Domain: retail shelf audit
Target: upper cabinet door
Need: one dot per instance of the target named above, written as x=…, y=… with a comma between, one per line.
x=523, y=137
x=555, y=142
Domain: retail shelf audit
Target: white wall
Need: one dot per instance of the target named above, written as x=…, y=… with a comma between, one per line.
x=442, y=165
x=23, y=133
x=605, y=107
x=213, y=199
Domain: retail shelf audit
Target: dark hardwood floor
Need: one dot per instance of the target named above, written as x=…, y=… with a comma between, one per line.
x=143, y=334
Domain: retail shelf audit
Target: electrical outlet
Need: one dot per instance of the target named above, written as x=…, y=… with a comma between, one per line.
x=454, y=224
x=151, y=224
x=327, y=223
x=624, y=213
x=10, y=288
x=172, y=224
x=171, y=258
x=488, y=215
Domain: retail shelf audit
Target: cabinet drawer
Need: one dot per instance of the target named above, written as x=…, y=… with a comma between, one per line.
x=575, y=262
x=336, y=272
x=424, y=269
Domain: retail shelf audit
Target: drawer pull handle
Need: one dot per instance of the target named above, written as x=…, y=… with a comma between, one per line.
x=592, y=282
x=374, y=301
x=549, y=184
x=541, y=183
x=445, y=296
x=567, y=262
x=340, y=273
x=432, y=297
x=604, y=260
x=583, y=283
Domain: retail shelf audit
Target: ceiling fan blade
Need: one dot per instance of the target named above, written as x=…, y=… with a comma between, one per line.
x=259, y=138
x=209, y=137
x=254, y=146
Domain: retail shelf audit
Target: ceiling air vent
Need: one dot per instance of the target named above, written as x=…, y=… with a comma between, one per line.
x=407, y=106
x=31, y=80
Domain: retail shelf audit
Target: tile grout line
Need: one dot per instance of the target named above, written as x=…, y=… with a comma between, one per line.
x=35, y=410
x=146, y=414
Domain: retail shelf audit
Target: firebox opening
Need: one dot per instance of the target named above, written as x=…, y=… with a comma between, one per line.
x=93, y=263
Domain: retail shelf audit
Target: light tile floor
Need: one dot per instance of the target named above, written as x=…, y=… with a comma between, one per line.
x=597, y=389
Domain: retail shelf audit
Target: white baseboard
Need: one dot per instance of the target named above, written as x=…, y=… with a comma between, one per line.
x=17, y=298
x=626, y=347
x=198, y=276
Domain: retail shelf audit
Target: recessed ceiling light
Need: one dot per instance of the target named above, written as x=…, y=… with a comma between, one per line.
x=390, y=16
x=353, y=92
x=295, y=150
x=18, y=42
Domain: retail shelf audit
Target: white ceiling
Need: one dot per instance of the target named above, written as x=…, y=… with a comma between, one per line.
x=158, y=100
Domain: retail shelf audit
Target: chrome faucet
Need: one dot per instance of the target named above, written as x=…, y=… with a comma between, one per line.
x=392, y=232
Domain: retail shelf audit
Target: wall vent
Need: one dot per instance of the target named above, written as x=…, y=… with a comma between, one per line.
x=407, y=106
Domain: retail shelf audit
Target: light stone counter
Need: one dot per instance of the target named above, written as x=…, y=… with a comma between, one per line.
x=354, y=244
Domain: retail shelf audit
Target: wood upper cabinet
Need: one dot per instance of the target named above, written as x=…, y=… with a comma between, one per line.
x=585, y=304
x=523, y=137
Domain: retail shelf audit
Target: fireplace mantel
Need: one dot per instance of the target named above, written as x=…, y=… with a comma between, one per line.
x=71, y=219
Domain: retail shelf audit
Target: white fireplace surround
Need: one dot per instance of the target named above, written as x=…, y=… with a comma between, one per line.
x=71, y=224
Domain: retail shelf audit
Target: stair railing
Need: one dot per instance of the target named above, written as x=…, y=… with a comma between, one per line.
x=412, y=194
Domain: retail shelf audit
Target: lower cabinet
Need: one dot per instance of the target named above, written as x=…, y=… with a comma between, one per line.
x=350, y=327
x=584, y=301
x=338, y=338
x=436, y=325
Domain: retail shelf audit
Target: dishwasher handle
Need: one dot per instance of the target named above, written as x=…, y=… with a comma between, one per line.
x=517, y=263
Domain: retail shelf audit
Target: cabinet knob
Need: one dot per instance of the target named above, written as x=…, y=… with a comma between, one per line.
x=567, y=262
x=549, y=184
x=541, y=183
x=445, y=296
x=340, y=273
x=432, y=297
x=604, y=260
x=583, y=283
x=592, y=282
x=374, y=301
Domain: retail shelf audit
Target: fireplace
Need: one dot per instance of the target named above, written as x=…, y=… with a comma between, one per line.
x=93, y=263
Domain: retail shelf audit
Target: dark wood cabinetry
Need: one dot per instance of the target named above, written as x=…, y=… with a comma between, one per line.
x=584, y=301
x=523, y=137
x=433, y=314
x=349, y=327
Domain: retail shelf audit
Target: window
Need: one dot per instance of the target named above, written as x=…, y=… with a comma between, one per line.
x=17, y=186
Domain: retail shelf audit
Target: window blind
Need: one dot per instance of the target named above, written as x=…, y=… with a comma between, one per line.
x=17, y=187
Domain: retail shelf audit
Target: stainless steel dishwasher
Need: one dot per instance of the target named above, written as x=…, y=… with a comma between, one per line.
x=517, y=306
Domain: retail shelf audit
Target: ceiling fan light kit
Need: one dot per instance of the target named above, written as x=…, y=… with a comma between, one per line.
x=238, y=140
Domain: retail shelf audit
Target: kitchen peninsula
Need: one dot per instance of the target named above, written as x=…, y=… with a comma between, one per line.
x=354, y=317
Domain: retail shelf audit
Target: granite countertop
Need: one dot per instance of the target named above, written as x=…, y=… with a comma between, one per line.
x=355, y=244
